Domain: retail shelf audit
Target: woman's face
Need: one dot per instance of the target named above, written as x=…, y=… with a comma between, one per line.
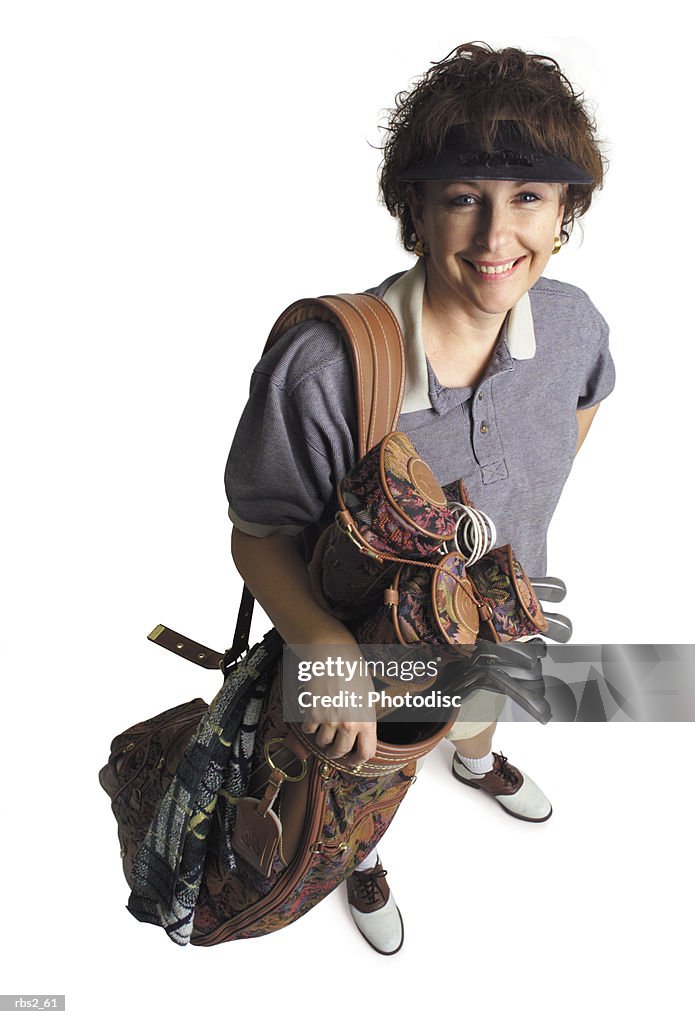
x=488, y=241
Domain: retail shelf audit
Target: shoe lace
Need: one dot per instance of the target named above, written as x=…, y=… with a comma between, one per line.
x=504, y=769
x=366, y=882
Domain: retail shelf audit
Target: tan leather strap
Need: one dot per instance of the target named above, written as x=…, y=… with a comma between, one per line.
x=369, y=328
x=373, y=336
x=372, y=333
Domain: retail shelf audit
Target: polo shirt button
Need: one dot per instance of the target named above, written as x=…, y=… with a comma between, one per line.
x=481, y=396
x=484, y=427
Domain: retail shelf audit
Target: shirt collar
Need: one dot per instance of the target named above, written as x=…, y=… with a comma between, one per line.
x=521, y=337
x=405, y=296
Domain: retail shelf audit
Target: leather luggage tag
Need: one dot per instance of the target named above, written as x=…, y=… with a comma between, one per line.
x=258, y=829
x=256, y=836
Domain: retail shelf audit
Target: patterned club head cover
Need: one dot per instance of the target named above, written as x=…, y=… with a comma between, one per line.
x=434, y=607
x=397, y=508
x=395, y=500
x=501, y=581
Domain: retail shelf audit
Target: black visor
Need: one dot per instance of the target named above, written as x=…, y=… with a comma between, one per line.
x=512, y=159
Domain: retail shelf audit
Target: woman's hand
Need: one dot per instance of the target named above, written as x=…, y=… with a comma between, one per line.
x=355, y=741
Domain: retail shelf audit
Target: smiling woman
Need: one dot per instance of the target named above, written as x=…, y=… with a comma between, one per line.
x=487, y=164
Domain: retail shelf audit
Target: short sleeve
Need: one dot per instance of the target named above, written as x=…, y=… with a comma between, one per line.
x=294, y=440
x=599, y=372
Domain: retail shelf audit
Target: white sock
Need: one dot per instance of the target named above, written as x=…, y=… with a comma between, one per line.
x=479, y=765
x=369, y=861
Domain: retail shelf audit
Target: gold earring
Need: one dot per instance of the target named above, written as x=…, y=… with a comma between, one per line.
x=557, y=246
x=420, y=248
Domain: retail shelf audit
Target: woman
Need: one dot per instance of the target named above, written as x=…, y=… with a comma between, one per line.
x=487, y=164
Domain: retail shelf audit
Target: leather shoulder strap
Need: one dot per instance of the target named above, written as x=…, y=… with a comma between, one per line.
x=373, y=336
x=372, y=333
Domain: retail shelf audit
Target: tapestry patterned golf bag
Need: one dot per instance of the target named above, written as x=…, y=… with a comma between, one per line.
x=194, y=789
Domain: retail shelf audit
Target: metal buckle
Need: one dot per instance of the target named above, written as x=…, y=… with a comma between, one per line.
x=227, y=666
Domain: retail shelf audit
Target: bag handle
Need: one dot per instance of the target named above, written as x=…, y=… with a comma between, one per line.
x=373, y=335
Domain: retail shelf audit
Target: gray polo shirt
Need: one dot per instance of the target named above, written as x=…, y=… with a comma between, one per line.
x=512, y=437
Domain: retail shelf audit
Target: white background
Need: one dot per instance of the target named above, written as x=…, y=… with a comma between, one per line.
x=174, y=174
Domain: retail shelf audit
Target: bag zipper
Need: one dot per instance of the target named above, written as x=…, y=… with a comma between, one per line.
x=328, y=848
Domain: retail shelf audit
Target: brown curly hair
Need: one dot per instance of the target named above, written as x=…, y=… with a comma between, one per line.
x=478, y=84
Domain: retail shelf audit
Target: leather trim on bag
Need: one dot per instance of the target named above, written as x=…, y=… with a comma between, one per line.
x=387, y=492
x=540, y=621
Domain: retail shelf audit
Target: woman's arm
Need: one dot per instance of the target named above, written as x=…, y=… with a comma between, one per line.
x=277, y=577
x=584, y=420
